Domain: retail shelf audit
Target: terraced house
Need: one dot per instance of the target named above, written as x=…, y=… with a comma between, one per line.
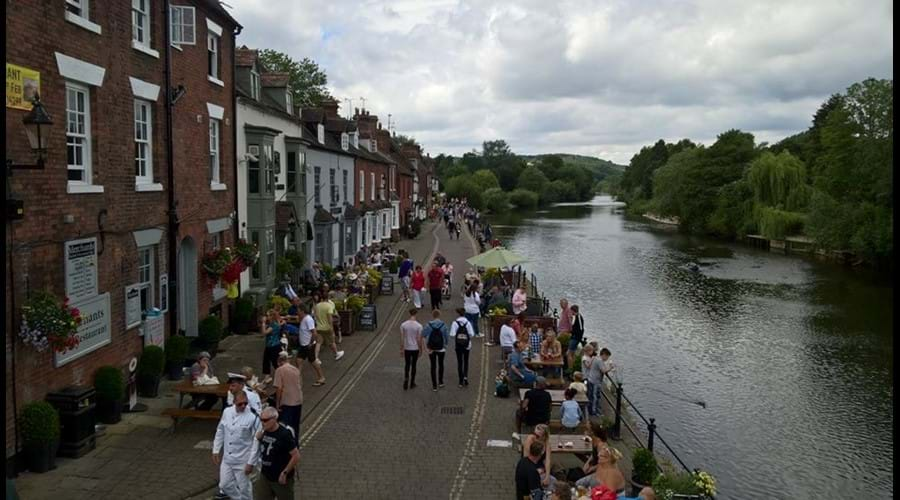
x=376, y=175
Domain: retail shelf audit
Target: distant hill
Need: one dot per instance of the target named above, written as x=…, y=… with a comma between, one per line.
x=600, y=167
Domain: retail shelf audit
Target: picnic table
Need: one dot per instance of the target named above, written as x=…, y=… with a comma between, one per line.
x=186, y=387
x=537, y=363
x=557, y=397
x=579, y=445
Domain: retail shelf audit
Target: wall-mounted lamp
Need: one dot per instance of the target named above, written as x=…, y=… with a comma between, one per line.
x=35, y=122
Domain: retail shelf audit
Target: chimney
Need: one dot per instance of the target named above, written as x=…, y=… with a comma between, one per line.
x=366, y=123
x=330, y=106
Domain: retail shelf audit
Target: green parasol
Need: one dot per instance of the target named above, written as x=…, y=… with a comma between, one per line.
x=497, y=257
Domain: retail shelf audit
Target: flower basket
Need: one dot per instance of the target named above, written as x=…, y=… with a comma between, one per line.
x=47, y=323
x=246, y=252
x=215, y=263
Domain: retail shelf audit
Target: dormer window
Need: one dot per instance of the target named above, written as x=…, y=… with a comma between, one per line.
x=289, y=99
x=345, y=141
x=321, y=131
x=373, y=145
x=355, y=139
x=254, y=83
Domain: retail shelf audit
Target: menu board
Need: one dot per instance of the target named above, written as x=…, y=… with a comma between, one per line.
x=387, y=285
x=81, y=269
x=368, y=317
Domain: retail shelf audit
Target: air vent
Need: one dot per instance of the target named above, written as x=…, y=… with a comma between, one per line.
x=451, y=410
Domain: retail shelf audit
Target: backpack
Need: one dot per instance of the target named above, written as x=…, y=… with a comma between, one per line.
x=435, y=339
x=462, y=335
x=502, y=390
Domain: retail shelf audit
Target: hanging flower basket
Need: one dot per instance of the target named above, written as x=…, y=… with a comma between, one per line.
x=47, y=323
x=215, y=262
x=246, y=252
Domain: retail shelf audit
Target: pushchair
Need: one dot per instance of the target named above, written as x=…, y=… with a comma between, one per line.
x=445, y=290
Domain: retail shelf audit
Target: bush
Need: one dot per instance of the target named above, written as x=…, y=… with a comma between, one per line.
x=393, y=266
x=684, y=484
x=296, y=258
x=243, y=310
x=643, y=466
x=39, y=422
x=278, y=302
x=524, y=198
x=563, y=339
x=177, y=349
x=356, y=303
x=496, y=200
x=210, y=330
x=152, y=362
x=109, y=383
x=283, y=266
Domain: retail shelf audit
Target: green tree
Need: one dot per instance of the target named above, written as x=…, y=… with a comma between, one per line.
x=508, y=170
x=560, y=191
x=524, y=198
x=404, y=140
x=496, y=200
x=779, y=181
x=533, y=180
x=464, y=187
x=550, y=166
x=454, y=171
x=485, y=179
x=472, y=161
x=307, y=80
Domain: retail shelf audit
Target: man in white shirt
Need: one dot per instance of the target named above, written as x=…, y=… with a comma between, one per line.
x=307, y=341
x=235, y=448
x=236, y=385
x=507, y=338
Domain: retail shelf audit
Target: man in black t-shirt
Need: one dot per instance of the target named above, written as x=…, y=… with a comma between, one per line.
x=278, y=457
x=528, y=479
x=536, y=405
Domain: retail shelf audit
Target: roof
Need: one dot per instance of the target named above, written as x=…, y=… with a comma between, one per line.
x=284, y=210
x=274, y=79
x=312, y=115
x=323, y=216
x=216, y=6
x=245, y=57
x=339, y=125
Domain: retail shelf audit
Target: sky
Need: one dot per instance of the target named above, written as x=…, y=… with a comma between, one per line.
x=598, y=78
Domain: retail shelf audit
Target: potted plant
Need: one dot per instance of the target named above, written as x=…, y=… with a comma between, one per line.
x=644, y=470
x=394, y=266
x=242, y=318
x=246, y=252
x=149, y=372
x=109, y=383
x=278, y=302
x=697, y=484
x=209, y=333
x=40, y=435
x=176, y=352
x=347, y=316
x=48, y=323
x=215, y=262
x=355, y=304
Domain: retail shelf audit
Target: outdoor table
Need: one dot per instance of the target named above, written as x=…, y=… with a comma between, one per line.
x=579, y=445
x=538, y=363
x=187, y=387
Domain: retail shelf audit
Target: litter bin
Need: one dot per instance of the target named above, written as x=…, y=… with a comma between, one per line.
x=77, y=418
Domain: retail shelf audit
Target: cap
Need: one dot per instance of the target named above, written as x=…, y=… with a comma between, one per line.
x=283, y=354
x=232, y=377
x=203, y=354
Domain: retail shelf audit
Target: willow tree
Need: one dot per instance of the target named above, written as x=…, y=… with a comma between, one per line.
x=780, y=194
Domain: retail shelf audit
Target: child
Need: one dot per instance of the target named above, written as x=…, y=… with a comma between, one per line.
x=589, y=368
x=501, y=385
x=579, y=384
x=571, y=412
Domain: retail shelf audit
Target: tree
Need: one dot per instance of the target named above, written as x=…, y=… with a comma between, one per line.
x=464, y=187
x=550, y=166
x=472, y=161
x=485, y=179
x=507, y=170
x=779, y=181
x=496, y=200
x=403, y=140
x=494, y=150
x=454, y=171
x=524, y=198
x=533, y=180
x=307, y=80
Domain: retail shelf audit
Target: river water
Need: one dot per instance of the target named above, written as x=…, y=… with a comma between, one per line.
x=793, y=357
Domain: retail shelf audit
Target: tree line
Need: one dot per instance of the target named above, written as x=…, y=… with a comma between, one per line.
x=496, y=179
x=831, y=183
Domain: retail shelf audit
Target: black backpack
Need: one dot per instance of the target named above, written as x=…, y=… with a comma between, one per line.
x=435, y=338
x=462, y=335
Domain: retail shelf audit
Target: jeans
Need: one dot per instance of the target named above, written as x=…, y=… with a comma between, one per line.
x=270, y=359
x=528, y=378
x=462, y=366
x=593, y=394
x=473, y=320
x=437, y=362
x=436, y=298
x=409, y=370
x=290, y=416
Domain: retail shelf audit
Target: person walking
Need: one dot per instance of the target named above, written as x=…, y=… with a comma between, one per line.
x=577, y=335
x=507, y=338
x=307, y=341
x=435, y=282
x=271, y=327
x=451, y=227
x=278, y=458
x=411, y=344
x=234, y=448
x=288, y=385
x=418, y=285
x=325, y=315
x=462, y=332
x=437, y=337
x=405, y=275
x=237, y=384
x=472, y=306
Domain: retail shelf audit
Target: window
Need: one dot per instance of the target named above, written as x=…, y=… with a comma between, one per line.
x=216, y=240
x=291, y=171
x=302, y=173
x=78, y=133
x=140, y=22
x=182, y=29
x=320, y=129
x=270, y=252
x=269, y=166
x=373, y=145
x=77, y=7
x=317, y=185
x=346, y=182
x=253, y=169
x=289, y=99
x=345, y=142
x=362, y=187
x=381, y=188
x=333, y=187
x=212, y=46
x=254, y=83
x=146, y=261
x=372, y=186
x=143, y=143
x=214, y=150
x=254, y=271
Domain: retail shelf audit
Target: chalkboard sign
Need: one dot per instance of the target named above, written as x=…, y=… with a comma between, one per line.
x=368, y=317
x=387, y=285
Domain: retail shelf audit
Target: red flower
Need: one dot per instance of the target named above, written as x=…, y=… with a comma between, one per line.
x=602, y=493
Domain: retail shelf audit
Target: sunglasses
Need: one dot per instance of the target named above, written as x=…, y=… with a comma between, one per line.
x=240, y=404
x=264, y=420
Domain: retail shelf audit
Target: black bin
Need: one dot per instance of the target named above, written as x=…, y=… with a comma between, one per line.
x=77, y=417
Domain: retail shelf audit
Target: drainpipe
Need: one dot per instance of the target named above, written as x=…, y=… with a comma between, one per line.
x=172, y=232
x=234, y=131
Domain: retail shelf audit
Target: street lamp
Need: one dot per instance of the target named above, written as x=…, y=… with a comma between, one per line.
x=35, y=121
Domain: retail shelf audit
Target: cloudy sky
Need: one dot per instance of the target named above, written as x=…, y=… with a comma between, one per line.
x=599, y=78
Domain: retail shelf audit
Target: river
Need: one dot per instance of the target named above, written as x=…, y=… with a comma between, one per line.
x=793, y=357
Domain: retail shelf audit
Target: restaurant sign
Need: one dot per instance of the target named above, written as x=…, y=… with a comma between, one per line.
x=94, y=331
x=22, y=84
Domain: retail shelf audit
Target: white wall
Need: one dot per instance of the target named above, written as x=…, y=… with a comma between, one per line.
x=327, y=160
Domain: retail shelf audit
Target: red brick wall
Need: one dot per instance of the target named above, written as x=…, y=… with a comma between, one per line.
x=34, y=31
x=369, y=167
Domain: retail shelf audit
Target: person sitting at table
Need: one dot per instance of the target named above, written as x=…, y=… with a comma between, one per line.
x=551, y=350
x=535, y=406
x=535, y=339
x=518, y=373
x=578, y=383
x=202, y=374
x=528, y=479
x=236, y=384
x=541, y=433
x=607, y=471
x=596, y=434
x=571, y=412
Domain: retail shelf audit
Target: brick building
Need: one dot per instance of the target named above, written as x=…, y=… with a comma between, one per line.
x=96, y=224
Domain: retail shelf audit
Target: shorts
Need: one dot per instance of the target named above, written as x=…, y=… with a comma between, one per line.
x=573, y=345
x=327, y=337
x=404, y=282
x=307, y=352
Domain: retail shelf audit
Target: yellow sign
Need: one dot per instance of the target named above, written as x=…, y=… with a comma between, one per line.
x=21, y=86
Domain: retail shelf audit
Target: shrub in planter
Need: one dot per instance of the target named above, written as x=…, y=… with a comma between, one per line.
x=176, y=352
x=40, y=435
x=394, y=266
x=669, y=484
x=209, y=333
x=643, y=469
x=278, y=302
x=149, y=372
x=243, y=316
x=110, y=386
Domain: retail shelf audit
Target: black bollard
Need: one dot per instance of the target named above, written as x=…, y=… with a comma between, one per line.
x=652, y=430
x=617, y=427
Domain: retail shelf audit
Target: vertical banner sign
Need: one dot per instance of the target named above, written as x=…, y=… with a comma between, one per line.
x=22, y=84
x=132, y=306
x=164, y=292
x=81, y=269
x=154, y=329
x=94, y=330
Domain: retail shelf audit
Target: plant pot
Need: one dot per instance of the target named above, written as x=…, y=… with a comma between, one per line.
x=148, y=386
x=109, y=412
x=175, y=370
x=40, y=457
x=636, y=487
x=348, y=325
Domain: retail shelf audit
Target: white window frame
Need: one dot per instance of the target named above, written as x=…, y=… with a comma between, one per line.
x=212, y=48
x=289, y=99
x=84, y=135
x=372, y=186
x=147, y=264
x=178, y=27
x=254, y=83
x=345, y=141
x=215, y=160
x=140, y=22
x=317, y=182
x=362, y=186
x=81, y=19
x=82, y=5
x=145, y=142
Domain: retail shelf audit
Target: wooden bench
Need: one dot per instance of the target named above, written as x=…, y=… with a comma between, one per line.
x=556, y=425
x=177, y=413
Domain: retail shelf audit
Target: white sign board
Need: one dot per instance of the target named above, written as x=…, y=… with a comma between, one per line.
x=81, y=269
x=94, y=330
x=132, y=306
x=154, y=330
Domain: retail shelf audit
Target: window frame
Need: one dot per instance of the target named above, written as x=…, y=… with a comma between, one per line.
x=270, y=252
x=255, y=83
x=85, y=136
x=291, y=172
x=147, y=286
x=147, y=142
x=268, y=154
x=317, y=185
x=213, y=42
x=137, y=14
x=215, y=154
x=256, y=269
x=179, y=27
x=362, y=186
x=346, y=176
x=372, y=186
x=332, y=185
x=81, y=5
